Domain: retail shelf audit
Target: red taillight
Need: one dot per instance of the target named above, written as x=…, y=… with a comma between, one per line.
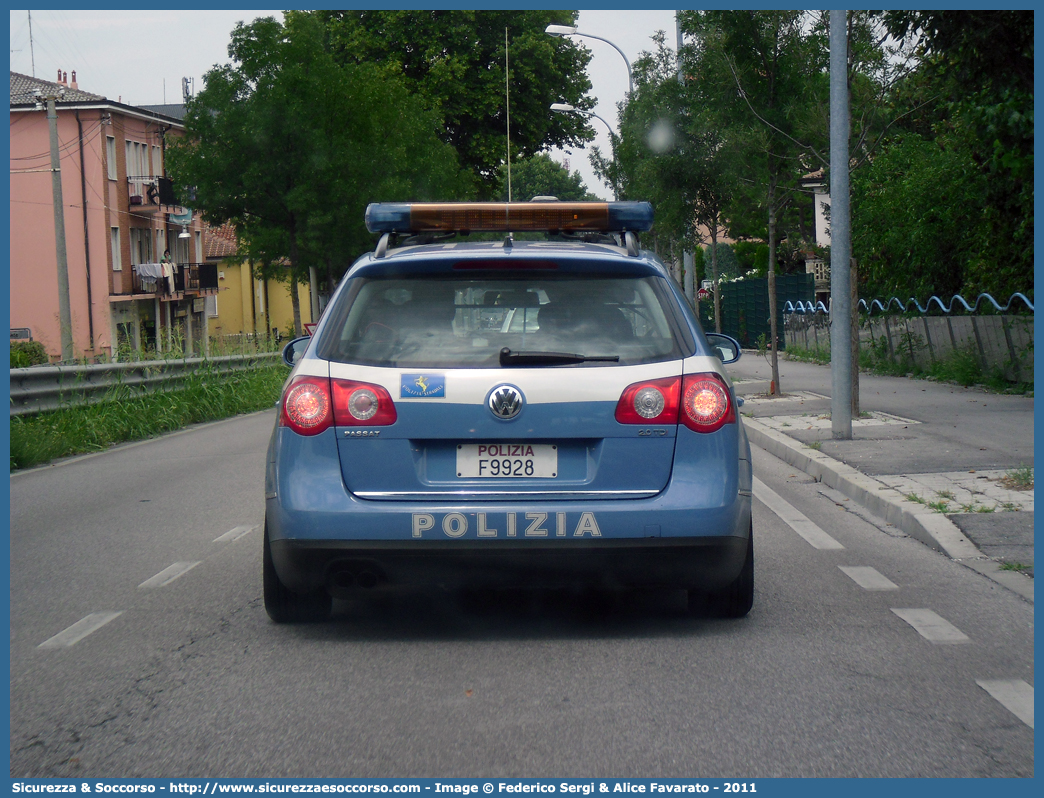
x=360, y=404
x=705, y=403
x=650, y=402
x=307, y=405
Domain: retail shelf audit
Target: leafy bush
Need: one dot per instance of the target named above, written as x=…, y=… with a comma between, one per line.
x=28, y=353
x=728, y=265
x=961, y=366
x=752, y=256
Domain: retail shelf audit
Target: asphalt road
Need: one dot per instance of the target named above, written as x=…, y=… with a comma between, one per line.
x=824, y=678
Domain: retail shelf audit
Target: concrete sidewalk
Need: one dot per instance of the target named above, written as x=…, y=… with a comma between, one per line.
x=944, y=464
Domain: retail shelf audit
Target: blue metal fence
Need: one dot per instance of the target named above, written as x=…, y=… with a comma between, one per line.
x=904, y=307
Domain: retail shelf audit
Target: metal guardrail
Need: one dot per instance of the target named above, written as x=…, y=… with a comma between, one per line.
x=819, y=307
x=41, y=388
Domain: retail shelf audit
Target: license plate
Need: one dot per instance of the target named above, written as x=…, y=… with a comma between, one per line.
x=507, y=460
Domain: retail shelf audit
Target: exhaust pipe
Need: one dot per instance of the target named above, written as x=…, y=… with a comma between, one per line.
x=343, y=580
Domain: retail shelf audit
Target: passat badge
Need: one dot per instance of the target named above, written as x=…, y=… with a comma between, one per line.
x=422, y=386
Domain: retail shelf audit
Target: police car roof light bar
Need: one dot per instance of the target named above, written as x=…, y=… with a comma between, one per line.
x=431, y=217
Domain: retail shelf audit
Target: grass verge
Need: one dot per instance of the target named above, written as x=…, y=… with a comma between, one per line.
x=961, y=367
x=207, y=396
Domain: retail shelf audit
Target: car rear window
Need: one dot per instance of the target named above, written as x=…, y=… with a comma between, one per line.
x=435, y=322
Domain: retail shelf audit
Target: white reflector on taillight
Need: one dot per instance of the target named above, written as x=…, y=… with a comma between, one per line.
x=363, y=404
x=705, y=403
x=648, y=402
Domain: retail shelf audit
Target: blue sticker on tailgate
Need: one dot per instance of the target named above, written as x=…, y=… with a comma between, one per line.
x=422, y=386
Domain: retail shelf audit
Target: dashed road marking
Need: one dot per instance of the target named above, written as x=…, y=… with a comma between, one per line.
x=794, y=518
x=1013, y=694
x=79, y=630
x=932, y=627
x=868, y=578
x=169, y=574
x=235, y=534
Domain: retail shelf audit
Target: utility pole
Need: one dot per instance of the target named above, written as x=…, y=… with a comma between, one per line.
x=840, y=235
x=64, y=306
x=687, y=258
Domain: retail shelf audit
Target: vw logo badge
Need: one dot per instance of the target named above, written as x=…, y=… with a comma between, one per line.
x=505, y=401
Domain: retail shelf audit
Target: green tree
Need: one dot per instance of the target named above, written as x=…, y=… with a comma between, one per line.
x=290, y=146
x=974, y=84
x=455, y=61
x=776, y=61
x=540, y=175
x=674, y=151
x=916, y=213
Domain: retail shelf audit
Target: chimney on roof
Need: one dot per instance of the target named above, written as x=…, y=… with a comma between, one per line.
x=73, y=84
x=59, y=76
x=65, y=78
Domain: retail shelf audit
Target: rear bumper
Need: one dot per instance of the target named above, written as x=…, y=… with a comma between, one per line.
x=692, y=534
x=344, y=566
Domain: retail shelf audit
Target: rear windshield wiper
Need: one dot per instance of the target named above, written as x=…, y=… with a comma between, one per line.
x=509, y=358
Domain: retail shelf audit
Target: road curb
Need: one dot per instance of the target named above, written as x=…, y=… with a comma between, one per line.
x=933, y=529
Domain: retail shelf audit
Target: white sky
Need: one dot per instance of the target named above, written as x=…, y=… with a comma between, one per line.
x=632, y=32
x=129, y=55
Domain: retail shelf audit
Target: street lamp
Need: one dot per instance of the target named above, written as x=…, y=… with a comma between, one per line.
x=566, y=30
x=566, y=108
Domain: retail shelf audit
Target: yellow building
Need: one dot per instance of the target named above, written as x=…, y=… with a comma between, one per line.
x=244, y=305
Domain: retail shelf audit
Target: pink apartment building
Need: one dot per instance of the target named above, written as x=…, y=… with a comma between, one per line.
x=121, y=215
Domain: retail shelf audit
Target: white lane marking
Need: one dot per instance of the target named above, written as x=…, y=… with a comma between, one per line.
x=868, y=578
x=234, y=534
x=79, y=630
x=794, y=518
x=1014, y=695
x=932, y=627
x=169, y=574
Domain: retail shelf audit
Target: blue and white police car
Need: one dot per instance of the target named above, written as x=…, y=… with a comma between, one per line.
x=508, y=413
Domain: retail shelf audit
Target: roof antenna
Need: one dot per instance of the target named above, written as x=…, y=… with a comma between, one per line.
x=507, y=100
x=32, y=52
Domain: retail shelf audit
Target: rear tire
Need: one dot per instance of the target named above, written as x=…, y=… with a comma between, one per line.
x=282, y=604
x=734, y=601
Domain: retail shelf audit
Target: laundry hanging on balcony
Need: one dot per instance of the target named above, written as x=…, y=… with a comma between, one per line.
x=148, y=274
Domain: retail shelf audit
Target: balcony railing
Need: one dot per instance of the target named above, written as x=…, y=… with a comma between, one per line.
x=146, y=194
x=190, y=278
x=196, y=277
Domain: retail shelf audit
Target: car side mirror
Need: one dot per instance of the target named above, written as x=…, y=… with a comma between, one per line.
x=725, y=347
x=293, y=351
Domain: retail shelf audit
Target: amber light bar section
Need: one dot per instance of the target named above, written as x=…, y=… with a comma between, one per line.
x=515, y=216
x=549, y=216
